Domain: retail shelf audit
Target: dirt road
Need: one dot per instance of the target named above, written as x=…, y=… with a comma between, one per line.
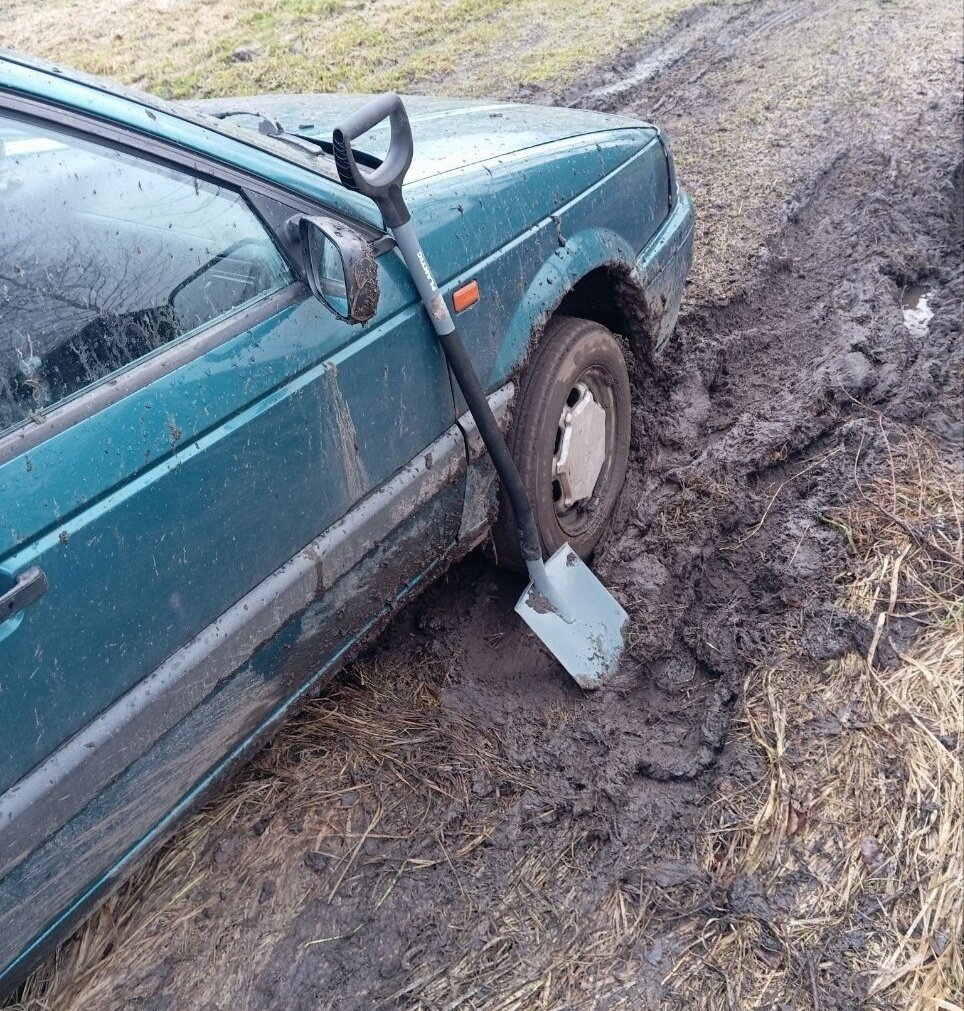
x=454, y=825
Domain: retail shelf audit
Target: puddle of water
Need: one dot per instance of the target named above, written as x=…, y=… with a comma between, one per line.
x=917, y=310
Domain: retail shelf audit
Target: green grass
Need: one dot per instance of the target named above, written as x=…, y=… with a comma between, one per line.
x=471, y=47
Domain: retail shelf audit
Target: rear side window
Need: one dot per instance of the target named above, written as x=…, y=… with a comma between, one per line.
x=106, y=257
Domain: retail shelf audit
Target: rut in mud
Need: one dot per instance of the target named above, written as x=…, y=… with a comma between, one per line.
x=762, y=418
x=555, y=814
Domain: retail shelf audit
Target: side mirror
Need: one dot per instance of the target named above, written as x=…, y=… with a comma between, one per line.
x=341, y=268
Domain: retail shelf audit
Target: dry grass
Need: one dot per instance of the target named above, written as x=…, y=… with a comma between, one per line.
x=377, y=761
x=548, y=950
x=858, y=823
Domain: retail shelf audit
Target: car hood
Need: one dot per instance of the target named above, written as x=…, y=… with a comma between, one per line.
x=449, y=133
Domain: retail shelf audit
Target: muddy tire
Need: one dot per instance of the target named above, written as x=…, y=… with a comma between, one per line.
x=575, y=398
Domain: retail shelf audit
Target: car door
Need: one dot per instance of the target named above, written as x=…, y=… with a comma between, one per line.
x=178, y=417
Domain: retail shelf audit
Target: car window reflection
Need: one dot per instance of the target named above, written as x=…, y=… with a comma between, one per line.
x=106, y=257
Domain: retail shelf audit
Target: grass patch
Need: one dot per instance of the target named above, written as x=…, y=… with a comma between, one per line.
x=858, y=822
x=180, y=48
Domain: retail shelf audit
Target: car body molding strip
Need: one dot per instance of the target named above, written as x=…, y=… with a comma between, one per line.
x=52, y=793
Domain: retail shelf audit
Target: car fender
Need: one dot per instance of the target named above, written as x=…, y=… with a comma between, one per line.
x=577, y=255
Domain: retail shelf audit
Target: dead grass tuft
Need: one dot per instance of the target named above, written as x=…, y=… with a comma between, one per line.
x=358, y=790
x=546, y=949
x=856, y=831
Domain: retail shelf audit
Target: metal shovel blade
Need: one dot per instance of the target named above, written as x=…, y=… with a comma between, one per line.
x=579, y=620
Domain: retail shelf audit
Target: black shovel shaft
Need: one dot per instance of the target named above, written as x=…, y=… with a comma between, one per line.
x=465, y=375
x=478, y=403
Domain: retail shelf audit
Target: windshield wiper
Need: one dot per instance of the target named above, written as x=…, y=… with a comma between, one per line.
x=310, y=145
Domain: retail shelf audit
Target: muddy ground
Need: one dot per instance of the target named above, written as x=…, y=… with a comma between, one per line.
x=483, y=835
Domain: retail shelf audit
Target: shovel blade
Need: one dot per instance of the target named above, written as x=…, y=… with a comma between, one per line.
x=590, y=644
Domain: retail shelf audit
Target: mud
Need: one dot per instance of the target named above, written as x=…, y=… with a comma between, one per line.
x=756, y=425
x=793, y=372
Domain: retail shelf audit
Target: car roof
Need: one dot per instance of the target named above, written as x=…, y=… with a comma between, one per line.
x=56, y=74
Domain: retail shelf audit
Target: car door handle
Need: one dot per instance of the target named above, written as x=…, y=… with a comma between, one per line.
x=31, y=585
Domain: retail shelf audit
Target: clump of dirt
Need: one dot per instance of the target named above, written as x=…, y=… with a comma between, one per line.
x=552, y=859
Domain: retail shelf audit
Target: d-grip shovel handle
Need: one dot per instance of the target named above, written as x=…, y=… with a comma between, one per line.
x=383, y=184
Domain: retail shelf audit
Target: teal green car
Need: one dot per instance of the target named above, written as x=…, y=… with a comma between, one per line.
x=224, y=464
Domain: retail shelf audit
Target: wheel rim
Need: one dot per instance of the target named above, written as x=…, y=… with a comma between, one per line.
x=582, y=451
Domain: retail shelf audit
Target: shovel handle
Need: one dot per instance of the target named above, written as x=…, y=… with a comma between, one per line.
x=382, y=184
x=465, y=375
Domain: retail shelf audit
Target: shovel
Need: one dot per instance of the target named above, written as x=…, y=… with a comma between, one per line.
x=566, y=606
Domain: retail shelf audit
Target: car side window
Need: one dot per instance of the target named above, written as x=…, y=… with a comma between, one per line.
x=106, y=257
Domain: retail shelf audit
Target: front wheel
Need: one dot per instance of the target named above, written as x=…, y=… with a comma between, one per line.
x=569, y=438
